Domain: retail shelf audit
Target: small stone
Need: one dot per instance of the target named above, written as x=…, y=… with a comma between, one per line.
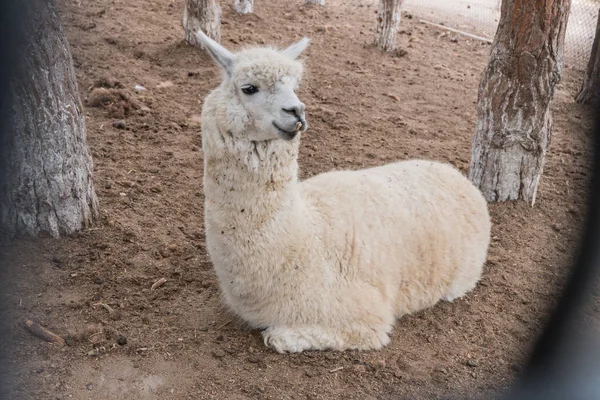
x=400, y=52
x=471, y=363
x=165, y=253
x=165, y=84
x=218, y=353
x=119, y=124
x=556, y=227
x=454, y=39
x=572, y=210
x=494, y=259
x=380, y=364
x=173, y=247
x=97, y=280
x=69, y=340
x=360, y=368
x=93, y=352
x=253, y=359
x=89, y=386
x=311, y=373
x=121, y=340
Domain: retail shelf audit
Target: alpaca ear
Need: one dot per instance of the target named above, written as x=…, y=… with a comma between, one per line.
x=297, y=48
x=220, y=54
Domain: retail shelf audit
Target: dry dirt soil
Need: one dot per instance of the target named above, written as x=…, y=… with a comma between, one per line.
x=365, y=108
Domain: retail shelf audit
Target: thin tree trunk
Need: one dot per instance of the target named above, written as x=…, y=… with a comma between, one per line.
x=47, y=186
x=317, y=2
x=514, y=121
x=204, y=15
x=590, y=89
x=244, y=6
x=388, y=20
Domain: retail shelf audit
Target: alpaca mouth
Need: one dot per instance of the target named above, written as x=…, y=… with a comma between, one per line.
x=290, y=134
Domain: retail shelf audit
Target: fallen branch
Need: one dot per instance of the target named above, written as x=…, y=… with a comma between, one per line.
x=108, y=308
x=44, y=333
x=483, y=39
x=158, y=283
x=225, y=324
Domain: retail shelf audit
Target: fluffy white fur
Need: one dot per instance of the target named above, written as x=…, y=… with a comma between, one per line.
x=330, y=262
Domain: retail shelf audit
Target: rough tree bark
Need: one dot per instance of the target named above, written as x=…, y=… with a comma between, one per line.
x=590, y=89
x=244, y=6
x=388, y=19
x=201, y=14
x=317, y=2
x=47, y=186
x=514, y=121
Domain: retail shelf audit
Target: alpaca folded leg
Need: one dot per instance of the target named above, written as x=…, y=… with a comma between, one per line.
x=284, y=339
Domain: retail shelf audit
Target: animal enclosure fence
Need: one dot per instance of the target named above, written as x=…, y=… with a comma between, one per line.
x=480, y=17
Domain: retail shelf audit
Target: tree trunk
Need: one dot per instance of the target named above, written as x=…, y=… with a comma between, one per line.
x=514, y=122
x=201, y=14
x=590, y=90
x=388, y=19
x=317, y=2
x=47, y=186
x=244, y=6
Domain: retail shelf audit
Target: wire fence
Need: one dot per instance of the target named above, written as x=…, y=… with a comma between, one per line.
x=480, y=17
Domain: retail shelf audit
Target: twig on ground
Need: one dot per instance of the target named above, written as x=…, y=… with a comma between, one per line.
x=44, y=333
x=158, y=283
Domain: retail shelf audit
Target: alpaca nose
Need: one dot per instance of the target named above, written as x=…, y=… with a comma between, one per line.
x=296, y=110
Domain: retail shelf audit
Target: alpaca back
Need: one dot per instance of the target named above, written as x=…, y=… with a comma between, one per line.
x=411, y=228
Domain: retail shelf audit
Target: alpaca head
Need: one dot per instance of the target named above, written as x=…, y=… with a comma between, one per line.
x=258, y=88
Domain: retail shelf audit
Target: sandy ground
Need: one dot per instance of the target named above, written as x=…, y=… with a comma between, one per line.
x=481, y=17
x=365, y=108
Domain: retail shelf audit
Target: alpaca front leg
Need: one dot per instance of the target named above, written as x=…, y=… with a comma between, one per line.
x=295, y=339
x=284, y=339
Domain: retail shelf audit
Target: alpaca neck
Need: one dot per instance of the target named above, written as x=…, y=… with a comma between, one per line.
x=258, y=177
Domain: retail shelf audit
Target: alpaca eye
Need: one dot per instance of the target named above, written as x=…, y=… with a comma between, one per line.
x=249, y=89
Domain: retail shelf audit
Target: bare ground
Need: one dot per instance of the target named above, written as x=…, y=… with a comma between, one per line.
x=365, y=108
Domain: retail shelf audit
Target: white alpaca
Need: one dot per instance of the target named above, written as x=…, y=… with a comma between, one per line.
x=330, y=262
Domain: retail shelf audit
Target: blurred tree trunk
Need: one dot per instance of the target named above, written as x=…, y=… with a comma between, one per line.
x=388, y=20
x=244, y=6
x=47, y=186
x=590, y=90
x=204, y=15
x=514, y=121
x=317, y=2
